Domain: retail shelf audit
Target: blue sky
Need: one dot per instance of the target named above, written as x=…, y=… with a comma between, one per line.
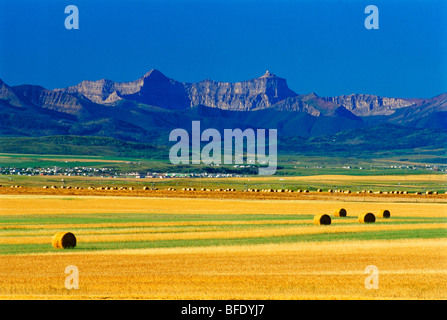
x=318, y=46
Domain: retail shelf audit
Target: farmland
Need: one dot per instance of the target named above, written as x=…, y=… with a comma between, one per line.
x=180, y=247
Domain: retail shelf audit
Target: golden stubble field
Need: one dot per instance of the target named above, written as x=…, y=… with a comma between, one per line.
x=42, y=204
x=408, y=269
x=309, y=271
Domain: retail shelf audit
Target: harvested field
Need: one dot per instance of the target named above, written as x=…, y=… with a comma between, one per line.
x=326, y=270
x=201, y=193
x=195, y=248
x=40, y=204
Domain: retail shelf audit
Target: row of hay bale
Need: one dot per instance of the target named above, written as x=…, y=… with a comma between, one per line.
x=336, y=191
x=49, y=187
x=218, y=190
x=274, y=190
x=247, y=190
x=365, y=217
x=147, y=188
x=282, y=190
x=427, y=193
x=89, y=188
x=62, y=187
x=381, y=192
x=406, y=192
x=110, y=188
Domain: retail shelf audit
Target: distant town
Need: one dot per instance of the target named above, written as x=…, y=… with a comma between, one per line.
x=113, y=173
x=107, y=173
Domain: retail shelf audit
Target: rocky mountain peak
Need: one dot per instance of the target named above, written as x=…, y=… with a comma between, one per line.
x=255, y=94
x=366, y=104
x=267, y=91
x=268, y=74
x=154, y=73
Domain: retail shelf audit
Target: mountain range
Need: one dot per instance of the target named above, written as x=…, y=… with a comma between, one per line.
x=147, y=109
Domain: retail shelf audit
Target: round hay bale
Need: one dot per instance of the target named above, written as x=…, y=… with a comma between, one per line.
x=384, y=214
x=322, y=219
x=340, y=212
x=367, y=217
x=64, y=240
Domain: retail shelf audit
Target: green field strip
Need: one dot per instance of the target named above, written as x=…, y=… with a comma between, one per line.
x=141, y=217
x=149, y=230
x=168, y=230
x=78, y=230
x=72, y=219
x=8, y=249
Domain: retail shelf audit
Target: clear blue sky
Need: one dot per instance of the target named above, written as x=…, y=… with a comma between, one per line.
x=318, y=46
